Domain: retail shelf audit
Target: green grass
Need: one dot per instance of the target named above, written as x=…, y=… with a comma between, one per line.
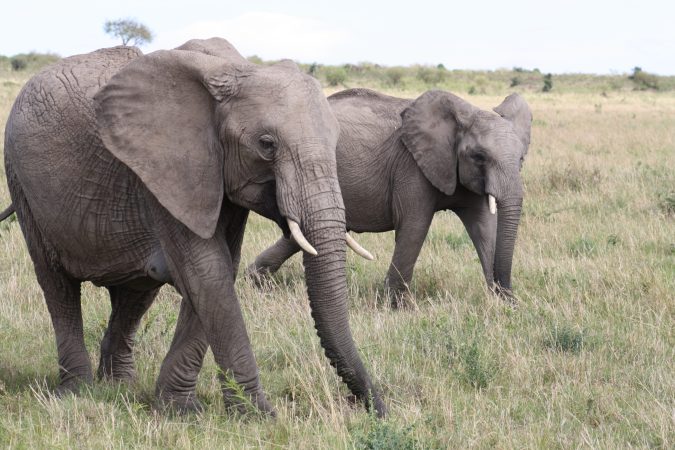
x=584, y=360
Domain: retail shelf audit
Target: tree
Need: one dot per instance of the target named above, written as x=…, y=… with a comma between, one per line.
x=128, y=30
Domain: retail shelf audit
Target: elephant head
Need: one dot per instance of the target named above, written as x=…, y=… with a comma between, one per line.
x=453, y=141
x=200, y=122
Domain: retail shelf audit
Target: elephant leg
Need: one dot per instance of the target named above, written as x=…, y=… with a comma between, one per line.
x=128, y=307
x=482, y=229
x=62, y=295
x=410, y=235
x=178, y=376
x=270, y=260
x=202, y=271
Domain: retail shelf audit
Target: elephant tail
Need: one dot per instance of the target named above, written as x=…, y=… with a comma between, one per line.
x=7, y=212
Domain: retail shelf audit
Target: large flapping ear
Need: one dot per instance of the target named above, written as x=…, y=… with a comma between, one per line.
x=516, y=110
x=157, y=116
x=429, y=132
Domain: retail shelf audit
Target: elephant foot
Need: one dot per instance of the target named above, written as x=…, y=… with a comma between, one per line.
x=245, y=403
x=505, y=294
x=72, y=386
x=378, y=405
x=260, y=276
x=116, y=368
x=180, y=404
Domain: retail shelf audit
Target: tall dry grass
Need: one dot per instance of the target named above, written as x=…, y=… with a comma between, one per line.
x=585, y=360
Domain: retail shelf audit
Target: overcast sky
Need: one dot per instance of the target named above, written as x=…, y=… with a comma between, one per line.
x=555, y=36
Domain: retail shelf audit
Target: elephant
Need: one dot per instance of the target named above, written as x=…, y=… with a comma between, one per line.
x=400, y=161
x=132, y=171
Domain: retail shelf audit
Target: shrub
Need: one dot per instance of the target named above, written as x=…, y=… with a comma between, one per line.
x=394, y=75
x=643, y=80
x=548, y=82
x=18, y=63
x=335, y=75
x=430, y=75
x=255, y=59
x=515, y=81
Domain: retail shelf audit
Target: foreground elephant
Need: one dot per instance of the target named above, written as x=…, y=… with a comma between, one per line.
x=133, y=171
x=399, y=161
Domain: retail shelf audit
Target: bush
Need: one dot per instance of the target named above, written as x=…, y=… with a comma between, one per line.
x=515, y=81
x=548, y=82
x=335, y=75
x=643, y=80
x=18, y=63
x=394, y=75
x=430, y=75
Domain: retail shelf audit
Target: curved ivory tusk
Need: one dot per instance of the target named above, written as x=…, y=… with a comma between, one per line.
x=492, y=203
x=358, y=249
x=300, y=238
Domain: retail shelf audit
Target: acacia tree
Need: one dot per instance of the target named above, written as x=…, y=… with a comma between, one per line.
x=128, y=30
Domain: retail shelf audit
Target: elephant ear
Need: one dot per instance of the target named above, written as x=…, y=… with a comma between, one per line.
x=516, y=110
x=157, y=116
x=429, y=131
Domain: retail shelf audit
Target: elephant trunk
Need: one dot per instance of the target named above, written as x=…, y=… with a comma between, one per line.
x=509, y=210
x=322, y=221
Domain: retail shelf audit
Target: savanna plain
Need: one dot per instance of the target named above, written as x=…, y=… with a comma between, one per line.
x=585, y=359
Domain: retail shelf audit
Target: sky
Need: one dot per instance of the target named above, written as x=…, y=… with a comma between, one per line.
x=587, y=36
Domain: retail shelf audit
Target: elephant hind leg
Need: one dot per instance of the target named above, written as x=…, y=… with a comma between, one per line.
x=62, y=295
x=271, y=259
x=128, y=307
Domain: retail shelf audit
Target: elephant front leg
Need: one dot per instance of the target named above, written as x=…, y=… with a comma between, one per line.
x=271, y=259
x=202, y=272
x=128, y=308
x=481, y=226
x=410, y=235
x=178, y=376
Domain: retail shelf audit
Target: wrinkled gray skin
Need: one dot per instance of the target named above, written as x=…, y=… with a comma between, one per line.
x=399, y=161
x=133, y=171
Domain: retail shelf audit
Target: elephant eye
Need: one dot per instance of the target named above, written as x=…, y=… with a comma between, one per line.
x=478, y=157
x=267, y=142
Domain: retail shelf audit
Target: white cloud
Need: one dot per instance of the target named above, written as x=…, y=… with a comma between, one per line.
x=268, y=35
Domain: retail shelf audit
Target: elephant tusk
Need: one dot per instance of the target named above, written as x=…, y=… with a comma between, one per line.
x=300, y=238
x=492, y=203
x=351, y=242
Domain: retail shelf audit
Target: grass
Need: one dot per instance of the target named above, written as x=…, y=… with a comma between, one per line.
x=585, y=360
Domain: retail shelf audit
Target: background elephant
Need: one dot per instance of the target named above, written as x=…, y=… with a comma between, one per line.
x=399, y=161
x=133, y=171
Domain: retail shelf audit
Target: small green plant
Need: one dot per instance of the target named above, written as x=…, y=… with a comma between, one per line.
x=515, y=81
x=472, y=90
x=335, y=75
x=565, y=338
x=378, y=434
x=476, y=369
x=548, y=83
